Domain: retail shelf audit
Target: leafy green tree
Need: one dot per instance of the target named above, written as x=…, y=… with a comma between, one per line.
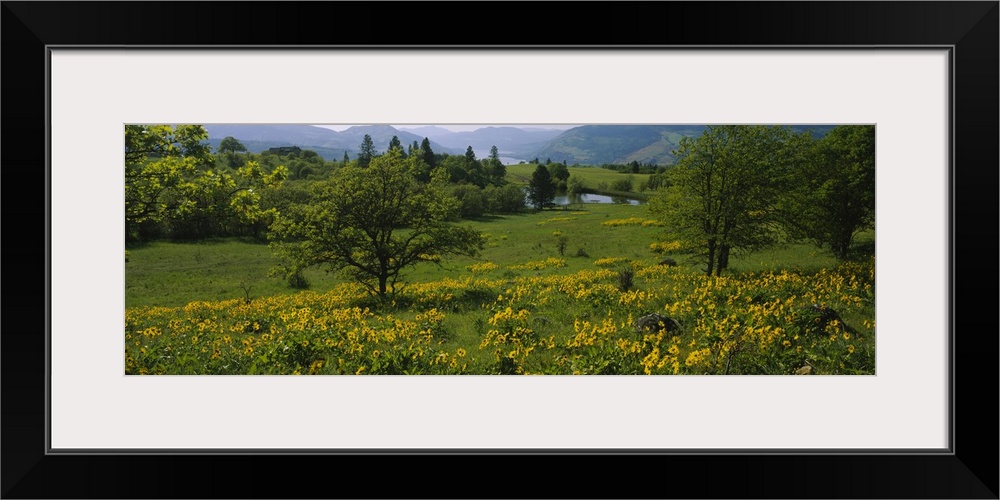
x=456, y=167
x=158, y=158
x=622, y=185
x=373, y=224
x=836, y=196
x=508, y=199
x=219, y=202
x=366, y=151
x=471, y=199
x=725, y=191
x=169, y=178
x=475, y=172
x=574, y=186
x=493, y=168
x=541, y=189
x=230, y=144
x=559, y=171
x=233, y=151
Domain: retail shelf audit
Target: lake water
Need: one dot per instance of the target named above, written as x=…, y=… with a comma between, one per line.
x=506, y=160
x=594, y=198
x=565, y=199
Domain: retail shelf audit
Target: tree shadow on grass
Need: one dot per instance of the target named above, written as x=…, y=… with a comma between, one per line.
x=861, y=251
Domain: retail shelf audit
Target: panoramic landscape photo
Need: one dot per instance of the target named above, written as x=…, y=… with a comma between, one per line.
x=438, y=249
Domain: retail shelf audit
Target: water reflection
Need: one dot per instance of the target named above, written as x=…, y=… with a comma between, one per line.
x=566, y=199
x=594, y=198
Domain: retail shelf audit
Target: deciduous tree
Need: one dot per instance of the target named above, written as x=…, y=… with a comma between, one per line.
x=725, y=191
x=170, y=177
x=836, y=197
x=373, y=224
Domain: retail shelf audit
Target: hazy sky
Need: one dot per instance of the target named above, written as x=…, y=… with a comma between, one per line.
x=457, y=128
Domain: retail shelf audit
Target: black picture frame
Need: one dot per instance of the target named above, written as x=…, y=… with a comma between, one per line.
x=970, y=470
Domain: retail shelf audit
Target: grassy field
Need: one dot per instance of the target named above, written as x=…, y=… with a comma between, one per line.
x=173, y=274
x=520, y=307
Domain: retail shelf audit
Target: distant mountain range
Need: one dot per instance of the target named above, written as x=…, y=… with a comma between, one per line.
x=585, y=145
x=329, y=144
x=510, y=141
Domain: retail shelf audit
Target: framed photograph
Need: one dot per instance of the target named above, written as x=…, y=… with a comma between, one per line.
x=921, y=76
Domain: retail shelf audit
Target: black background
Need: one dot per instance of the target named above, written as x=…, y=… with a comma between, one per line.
x=971, y=472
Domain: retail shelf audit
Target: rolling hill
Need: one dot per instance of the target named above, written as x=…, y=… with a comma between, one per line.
x=598, y=144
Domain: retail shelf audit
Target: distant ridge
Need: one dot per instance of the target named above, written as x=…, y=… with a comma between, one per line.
x=599, y=144
x=329, y=144
x=585, y=145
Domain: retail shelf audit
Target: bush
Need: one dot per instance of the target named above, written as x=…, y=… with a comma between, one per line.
x=580, y=252
x=298, y=280
x=624, y=185
x=507, y=199
x=626, y=279
x=574, y=186
x=561, y=243
x=471, y=201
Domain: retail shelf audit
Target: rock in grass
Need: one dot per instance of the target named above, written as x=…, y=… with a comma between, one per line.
x=652, y=323
x=819, y=316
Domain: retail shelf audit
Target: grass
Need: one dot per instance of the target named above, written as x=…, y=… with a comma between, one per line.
x=173, y=274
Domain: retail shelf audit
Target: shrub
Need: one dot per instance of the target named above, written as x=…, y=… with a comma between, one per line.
x=472, y=202
x=507, y=199
x=561, y=244
x=297, y=280
x=624, y=185
x=626, y=278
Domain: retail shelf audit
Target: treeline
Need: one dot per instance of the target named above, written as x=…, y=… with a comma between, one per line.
x=177, y=188
x=634, y=167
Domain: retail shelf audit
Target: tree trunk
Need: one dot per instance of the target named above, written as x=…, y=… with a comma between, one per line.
x=711, y=257
x=382, y=280
x=723, y=259
x=843, y=244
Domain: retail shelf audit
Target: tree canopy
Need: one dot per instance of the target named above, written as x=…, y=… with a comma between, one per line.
x=374, y=223
x=231, y=144
x=493, y=168
x=725, y=191
x=541, y=189
x=837, y=196
x=170, y=178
